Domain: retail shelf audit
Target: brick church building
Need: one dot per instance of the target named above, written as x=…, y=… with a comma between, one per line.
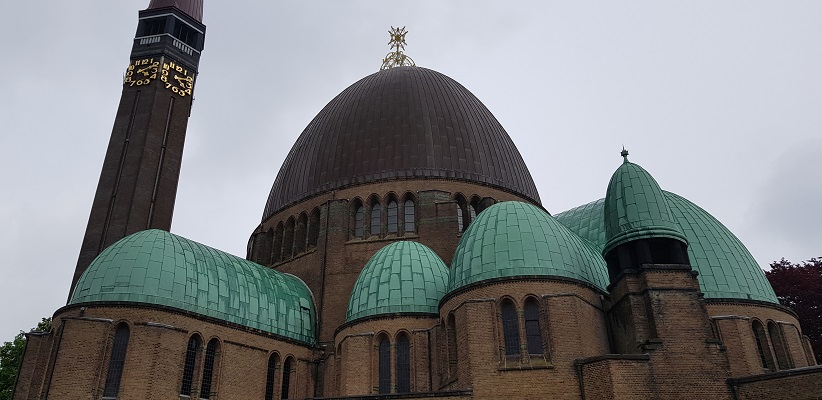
x=403, y=253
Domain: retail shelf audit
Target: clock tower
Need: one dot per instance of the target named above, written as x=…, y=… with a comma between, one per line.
x=138, y=183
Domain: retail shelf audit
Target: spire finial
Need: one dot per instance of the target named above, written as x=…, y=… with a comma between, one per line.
x=397, y=58
x=624, y=154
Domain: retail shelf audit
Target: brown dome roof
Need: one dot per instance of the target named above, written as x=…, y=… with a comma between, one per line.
x=401, y=123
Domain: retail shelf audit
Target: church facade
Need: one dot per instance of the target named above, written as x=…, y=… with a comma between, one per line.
x=402, y=253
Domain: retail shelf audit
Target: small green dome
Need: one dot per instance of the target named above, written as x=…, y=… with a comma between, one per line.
x=726, y=268
x=159, y=268
x=513, y=239
x=403, y=277
x=635, y=208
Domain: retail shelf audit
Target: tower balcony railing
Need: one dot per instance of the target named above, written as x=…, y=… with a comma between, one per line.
x=151, y=39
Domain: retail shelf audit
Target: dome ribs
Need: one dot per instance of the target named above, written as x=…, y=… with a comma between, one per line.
x=401, y=123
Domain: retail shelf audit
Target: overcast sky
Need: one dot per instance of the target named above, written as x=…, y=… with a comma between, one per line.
x=721, y=101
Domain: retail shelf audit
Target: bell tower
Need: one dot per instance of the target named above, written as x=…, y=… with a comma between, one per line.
x=138, y=183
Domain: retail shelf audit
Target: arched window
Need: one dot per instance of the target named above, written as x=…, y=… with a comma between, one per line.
x=451, y=338
x=271, y=376
x=472, y=213
x=403, y=375
x=783, y=359
x=359, y=222
x=533, y=333
x=208, y=368
x=287, y=369
x=409, y=214
x=314, y=228
x=384, y=365
x=117, y=361
x=300, y=234
x=510, y=328
x=460, y=222
x=277, y=248
x=192, y=351
x=288, y=239
x=376, y=220
x=393, y=217
x=262, y=247
x=762, y=346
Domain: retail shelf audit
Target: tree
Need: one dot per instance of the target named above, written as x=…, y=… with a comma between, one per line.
x=799, y=286
x=11, y=354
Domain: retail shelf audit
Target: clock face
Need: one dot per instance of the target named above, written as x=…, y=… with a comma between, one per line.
x=141, y=72
x=177, y=79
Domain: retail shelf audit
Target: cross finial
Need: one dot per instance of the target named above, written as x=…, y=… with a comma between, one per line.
x=624, y=154
x=396, y=58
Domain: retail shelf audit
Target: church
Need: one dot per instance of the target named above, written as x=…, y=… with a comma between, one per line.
x=403, y=253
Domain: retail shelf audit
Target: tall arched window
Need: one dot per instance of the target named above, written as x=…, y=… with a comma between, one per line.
x=783, y=359
x=451, y=339
x=393, y=217
x=510, y=328
x=384, y=365
x=403, y=375
x=300, y=233
x=287, y=367
x=359, y=222
x=277, y=247
x=472, y=213
x=288, y=238
x=116, y=362
x=533, y=333
x=460, y=222
x=409, y=214
x=762, y=346
x=208, y=368
x=192, y=351
x=376, y=219
x=271, y=376
x=314, y=228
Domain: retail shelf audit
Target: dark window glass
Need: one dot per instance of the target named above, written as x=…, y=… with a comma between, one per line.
x=300, y=234
x=154, y=27
x=118, y=359
x=277, y=251
x=460, y=225
x=385, y=366
x=403, y=364
x=762, y=346
x=472, y=212
x=271, y=376
x=376, y=221
x=208, y=369
x=286, y=377
x=288, y=239
x=393, y=217
x=510, y=328
x=188, y=367
x=409, y=216
x=314, y=228
x=184, y=33
x=780, y=350
x=359, y=223
x=451, y=333
x=533, y=335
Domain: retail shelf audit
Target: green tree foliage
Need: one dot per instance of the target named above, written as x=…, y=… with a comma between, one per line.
x=799, y=286
x=11, y=354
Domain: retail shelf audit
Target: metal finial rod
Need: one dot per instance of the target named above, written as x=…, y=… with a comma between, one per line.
x=624, y=154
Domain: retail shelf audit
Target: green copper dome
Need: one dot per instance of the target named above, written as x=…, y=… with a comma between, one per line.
x=513, y=239
x=635, y=208
x=403, y=277
x=157, y=267
x=726, y=268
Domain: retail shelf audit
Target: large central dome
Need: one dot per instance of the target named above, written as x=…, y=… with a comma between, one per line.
x=401, y=123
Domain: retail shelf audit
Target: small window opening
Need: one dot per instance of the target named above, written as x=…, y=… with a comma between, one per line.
x=271, y=376
x=384, y=365
x=117, y=362
x=393, y=217
x=403, y=364
x=533, y=334
x=287, y=369
x=359, y=223
x=376, y=221
x=409, y=216
x=192, y=351
x=208, y=368
x=510, y=328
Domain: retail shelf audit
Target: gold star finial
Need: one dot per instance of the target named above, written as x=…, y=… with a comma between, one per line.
x=396, y=58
